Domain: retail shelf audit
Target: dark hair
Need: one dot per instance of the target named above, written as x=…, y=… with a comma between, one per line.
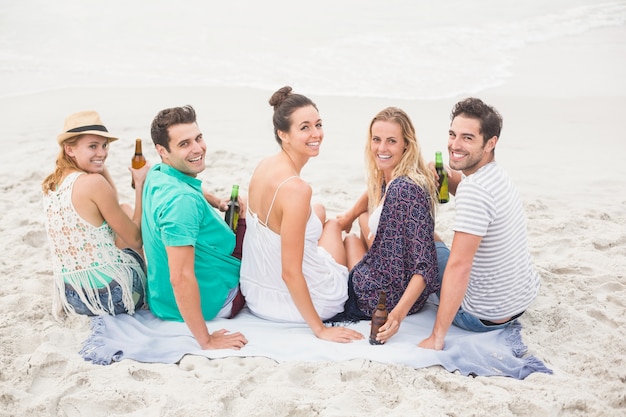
x=167, y=118
x=285, y=103
x=489, y=118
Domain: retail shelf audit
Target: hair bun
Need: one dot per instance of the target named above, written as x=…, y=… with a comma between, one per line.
x=279, y=96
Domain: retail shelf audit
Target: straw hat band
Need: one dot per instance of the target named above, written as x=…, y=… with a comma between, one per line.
x=99, y=128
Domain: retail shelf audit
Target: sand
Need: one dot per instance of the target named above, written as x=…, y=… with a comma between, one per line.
x=561, y=143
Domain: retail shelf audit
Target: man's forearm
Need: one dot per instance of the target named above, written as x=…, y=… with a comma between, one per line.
x=455, y=281
x=187, y=297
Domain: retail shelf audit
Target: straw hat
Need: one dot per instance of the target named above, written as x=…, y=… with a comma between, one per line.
x=84, y=123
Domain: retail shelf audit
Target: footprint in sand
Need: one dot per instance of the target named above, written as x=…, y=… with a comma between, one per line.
x=602, y=318
x=44, y=372
x=139, y=374
x=606, y=244
x=35, y=238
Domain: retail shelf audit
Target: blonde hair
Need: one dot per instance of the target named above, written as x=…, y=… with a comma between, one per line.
x=64, y=163
x=411, y=165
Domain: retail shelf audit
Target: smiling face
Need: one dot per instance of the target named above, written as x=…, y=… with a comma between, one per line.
x=468, y=150
x=89, y=153
x=387, y=146
x=305, y=134
x=187, y=149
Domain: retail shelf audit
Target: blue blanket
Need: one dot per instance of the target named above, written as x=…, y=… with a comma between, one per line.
x=145, y=338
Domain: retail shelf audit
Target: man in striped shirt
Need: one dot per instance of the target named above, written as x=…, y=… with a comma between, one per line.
x=489, y=279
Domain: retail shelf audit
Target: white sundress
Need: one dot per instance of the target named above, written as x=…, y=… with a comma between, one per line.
x=262, y=283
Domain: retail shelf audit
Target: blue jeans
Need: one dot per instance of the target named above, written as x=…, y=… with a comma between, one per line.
x=443, y=253
x=466, y=321
x=463, y=319
x=74, y=300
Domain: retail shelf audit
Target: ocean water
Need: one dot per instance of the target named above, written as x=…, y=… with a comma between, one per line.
x=416, y=49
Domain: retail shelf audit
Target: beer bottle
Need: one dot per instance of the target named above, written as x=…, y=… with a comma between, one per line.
x=379, y=317
x=232, y=213
x=444, y=197
x=138, y=160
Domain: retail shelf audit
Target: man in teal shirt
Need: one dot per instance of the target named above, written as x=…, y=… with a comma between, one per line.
x=192, y=273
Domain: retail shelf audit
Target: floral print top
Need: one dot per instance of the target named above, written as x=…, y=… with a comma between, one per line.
x=403, y=246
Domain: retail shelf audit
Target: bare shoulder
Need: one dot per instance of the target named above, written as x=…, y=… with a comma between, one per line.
x=91, y=179
x=271, y=174
x=92, y=184
x=296, y=188
x=293, y=202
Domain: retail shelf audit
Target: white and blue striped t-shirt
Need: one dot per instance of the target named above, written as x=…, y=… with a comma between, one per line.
x=503, y=281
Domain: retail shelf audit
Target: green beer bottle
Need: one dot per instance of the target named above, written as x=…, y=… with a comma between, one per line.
x=444, y=197
x=232, y=214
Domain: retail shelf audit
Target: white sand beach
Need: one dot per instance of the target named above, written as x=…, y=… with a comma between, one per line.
x=562, y=103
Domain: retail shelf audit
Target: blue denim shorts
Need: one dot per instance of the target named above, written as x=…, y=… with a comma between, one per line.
x=466, y=321
x=74, y=300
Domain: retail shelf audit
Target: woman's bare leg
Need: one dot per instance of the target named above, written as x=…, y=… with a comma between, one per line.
x=320, y=212
x=332, y=242
x=355, y=250
x=365, y=230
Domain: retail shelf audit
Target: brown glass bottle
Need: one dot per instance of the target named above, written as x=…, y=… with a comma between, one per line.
x=138, y=160
x=379, y=317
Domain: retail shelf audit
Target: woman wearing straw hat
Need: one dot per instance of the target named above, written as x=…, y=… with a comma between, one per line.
x=87, y=227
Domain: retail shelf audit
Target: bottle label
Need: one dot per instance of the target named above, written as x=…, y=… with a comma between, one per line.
x=444, y=196
x=377, y=322
x=232, y=213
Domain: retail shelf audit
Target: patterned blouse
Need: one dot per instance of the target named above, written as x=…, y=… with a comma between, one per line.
x=404, y=245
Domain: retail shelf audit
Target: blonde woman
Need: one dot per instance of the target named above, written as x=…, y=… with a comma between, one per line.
x=96, y=243
x=396, y=253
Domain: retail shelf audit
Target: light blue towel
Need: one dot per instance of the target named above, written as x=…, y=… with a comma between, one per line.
x=145, y=338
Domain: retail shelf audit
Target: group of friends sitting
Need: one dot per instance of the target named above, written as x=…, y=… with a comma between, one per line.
x=172, y=251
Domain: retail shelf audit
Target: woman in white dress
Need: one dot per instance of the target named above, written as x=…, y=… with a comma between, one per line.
x=294, y=263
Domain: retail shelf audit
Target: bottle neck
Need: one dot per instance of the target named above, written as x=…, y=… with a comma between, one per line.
x=382, y=302
x=438, y=160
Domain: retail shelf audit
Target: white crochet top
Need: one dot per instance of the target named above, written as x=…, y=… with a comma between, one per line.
x=84, y=256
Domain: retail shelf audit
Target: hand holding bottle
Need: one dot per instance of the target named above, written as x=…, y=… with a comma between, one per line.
x=379, y=318
x=138, y=160
x=139, y=174
x=390, y=328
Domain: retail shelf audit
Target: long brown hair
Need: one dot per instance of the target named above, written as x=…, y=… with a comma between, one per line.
x=411, y=164
x=64, y=163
